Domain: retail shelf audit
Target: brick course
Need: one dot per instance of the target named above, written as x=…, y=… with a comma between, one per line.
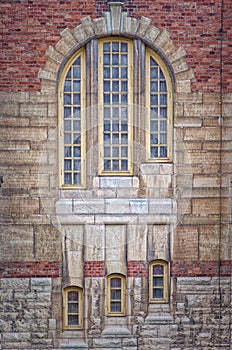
x=29, y=28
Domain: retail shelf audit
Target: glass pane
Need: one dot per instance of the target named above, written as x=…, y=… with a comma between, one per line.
x=115, y=47
x=163, y=152
x=154, y=86
x=124, y=152
x=115, y=139
x=163, y=125
x=124, y=86
x=115, y=306
x=67, y=125
x=76, y=152
x=67, y=99
x=76, y=139
x=163, y=139
x=154, y=73
x=154, y=99
x=124, y=98
x=67, y=151
x=115, y=73
x=115, y=127
x=115, y=59
x=106, y=59
x=106, y=86
x=76, y=125
x=76, y=99
x=162, y=75
x=107, y=112
x=115, y=98
x=158, y=293
x=163, y=99
x=124, y=112
x=115, y=294
x=73, y=296
x=106, y=73
x=67, y=138
x=115, y=165
x=107, y=165
x=73, y=308
x=115, y=152
x=154, y=152
x=76, y=86
x=107, y=98
x=163, y=112
x=154, y=125
x=115, y=86
x=77, y=178
x=106, y=126
x=124, y=127
x=153, y=62
x=106, y=138
x=76, y=165
x=154, y=112
x=67, y=112
x=106, y=47
x=67, y=86
x=158, y=270
x=124, y=47
x=124, y=61
x=77, y=62
x=76, y=72
x=76, y=112
x=115, y=112
x=67, y=178
x=73, y=320
x=154, y=139
x=69, y=74
x=124, y=139
x=106, y=151
x=163, y=86
x=115, y=282
x=67, y=165
x=158, y=281
x=124, y=165
x=123, y=73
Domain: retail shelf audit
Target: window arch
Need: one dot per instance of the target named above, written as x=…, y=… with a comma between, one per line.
x=73, y=308
x=116, y=295
x=158, y=275
x=114, y=59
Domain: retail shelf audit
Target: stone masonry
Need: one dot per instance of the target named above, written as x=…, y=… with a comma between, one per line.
x=179, y=212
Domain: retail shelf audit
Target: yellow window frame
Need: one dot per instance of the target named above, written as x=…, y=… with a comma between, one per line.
x=80, y=308
x=80, y=53
x=123, y=295
x=101, y=107
x=162, y=66
x=165, y=277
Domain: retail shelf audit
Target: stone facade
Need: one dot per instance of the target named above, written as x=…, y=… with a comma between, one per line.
x=179, y=212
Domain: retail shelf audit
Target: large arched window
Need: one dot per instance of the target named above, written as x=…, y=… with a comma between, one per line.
x=117, y=85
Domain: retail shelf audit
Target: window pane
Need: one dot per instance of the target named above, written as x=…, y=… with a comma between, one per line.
x=67, y=99
x=73, y=308
x=73, y=296
x=76, y=72
x=158, y=270
x=154, y=86
x=115, y=294
x=115, y=47
x=67, y=138
x=163, y=152
x=77, y=62
x=163, y=139
x=76, y=165
x=106, y=47
x=158, y=293
x=76, y=99
x=106, y=59
x=67, y=165
x=73, y=320
x=115, y=165
x=67, y=178
x=77, y=86
x=158, y=281
x=115, y=282
x=154, y=152
x=163, y=86
x=77, y=179
x=115, y=60
x=115, y=306
x=124, y=165
x=67, y=86
x=67, y=125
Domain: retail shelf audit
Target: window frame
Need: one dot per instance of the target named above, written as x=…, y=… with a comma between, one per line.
x=82, y=53
x=80, y=308
x=123, y=295
x=165, y=281
x=151, y=53
x=130, y=80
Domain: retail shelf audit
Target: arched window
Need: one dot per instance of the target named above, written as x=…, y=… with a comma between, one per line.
x=73, y=308
x=117, y=72
x=116, y=295
x=158, y=291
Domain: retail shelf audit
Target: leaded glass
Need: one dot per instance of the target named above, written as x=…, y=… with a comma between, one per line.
x=115, y=100
x=72, y=124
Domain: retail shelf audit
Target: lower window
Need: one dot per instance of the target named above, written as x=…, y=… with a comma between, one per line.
x=73, y=305
x=158, y=281
x=116, y=296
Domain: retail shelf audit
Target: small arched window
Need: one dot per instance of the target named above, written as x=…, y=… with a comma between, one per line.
x=158, y=281
x=109, y=74
x=73, y=308
x=116, y=295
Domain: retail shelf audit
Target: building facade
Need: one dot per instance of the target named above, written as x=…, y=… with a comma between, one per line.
x=115, y=175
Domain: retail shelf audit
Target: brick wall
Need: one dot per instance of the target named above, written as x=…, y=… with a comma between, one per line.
x=29, y=27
